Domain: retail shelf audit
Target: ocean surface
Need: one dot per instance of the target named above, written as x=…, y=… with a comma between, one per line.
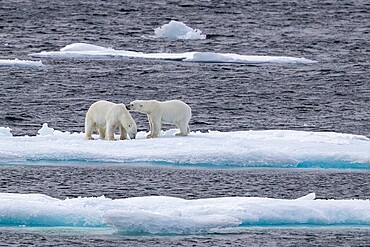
x=331, y=95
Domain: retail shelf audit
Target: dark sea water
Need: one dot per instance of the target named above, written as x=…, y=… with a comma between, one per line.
x=331, y=95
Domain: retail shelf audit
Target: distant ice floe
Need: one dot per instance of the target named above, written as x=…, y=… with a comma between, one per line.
x=269, y=148
x=178, y=30
x=19, y=63
x=171, y=215
x=89, y=51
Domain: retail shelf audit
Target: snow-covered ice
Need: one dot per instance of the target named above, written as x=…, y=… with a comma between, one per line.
x=19, y=63
x=170, y=215
x=89, y=51
x=268, y=148
x=178, y=30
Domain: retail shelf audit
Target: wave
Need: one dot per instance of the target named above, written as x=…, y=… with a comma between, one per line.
x=178, y=30
x=171, y=215
x=19, y=63
x=89, y=51
x=268, y=148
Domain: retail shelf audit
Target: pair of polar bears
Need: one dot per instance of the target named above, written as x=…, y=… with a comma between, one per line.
x=105, y=117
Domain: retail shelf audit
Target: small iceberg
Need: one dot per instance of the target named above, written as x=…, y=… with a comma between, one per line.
x=178, y=30
x=19, y=63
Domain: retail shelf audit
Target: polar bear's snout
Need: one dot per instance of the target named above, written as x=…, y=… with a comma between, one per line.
x=132, y=135
x=135, y=105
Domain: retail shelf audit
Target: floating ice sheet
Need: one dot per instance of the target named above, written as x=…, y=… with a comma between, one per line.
x=89, y=51
x=270, y=148
x=19, y=63
x=170, y=215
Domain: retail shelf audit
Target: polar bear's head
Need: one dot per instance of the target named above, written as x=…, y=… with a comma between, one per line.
x=144, y=106
x=127, y=122
x=131, y=128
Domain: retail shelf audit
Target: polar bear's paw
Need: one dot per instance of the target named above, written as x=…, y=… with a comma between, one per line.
x=151, y=136
x=181, y=134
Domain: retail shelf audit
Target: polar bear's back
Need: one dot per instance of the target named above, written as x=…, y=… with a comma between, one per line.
x=100, y=108
x=99, y=111
x=175, y=104
x=175, y=109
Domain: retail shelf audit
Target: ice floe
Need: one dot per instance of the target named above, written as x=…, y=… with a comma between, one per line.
x=265, y=148
x=89, y=51
x=171, y=215
x=19, y=63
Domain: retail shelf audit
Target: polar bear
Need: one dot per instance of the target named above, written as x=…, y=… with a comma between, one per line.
x=171, y=112
x=105, y=117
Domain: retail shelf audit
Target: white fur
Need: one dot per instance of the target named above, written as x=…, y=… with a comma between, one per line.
x=105, y=117
x=170, y=112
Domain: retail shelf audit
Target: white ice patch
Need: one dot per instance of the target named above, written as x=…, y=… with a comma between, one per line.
x=88, y=51
x=269, y=148
x=170, y=215
x=19, y=63
x=178, y=30
x=45, y=130
x=78, y=47
x=210, y=57
x=5, y=132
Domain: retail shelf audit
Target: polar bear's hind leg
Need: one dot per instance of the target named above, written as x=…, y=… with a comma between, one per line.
x=184, y=129
x=101, y=131
x=89, y=128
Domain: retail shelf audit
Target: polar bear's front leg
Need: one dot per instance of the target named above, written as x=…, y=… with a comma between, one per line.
x=110, y=132
x=155, y=126
x=123, y=133
x=150, y=127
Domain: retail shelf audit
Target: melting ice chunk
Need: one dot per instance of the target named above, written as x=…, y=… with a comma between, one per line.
x=178, y=30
